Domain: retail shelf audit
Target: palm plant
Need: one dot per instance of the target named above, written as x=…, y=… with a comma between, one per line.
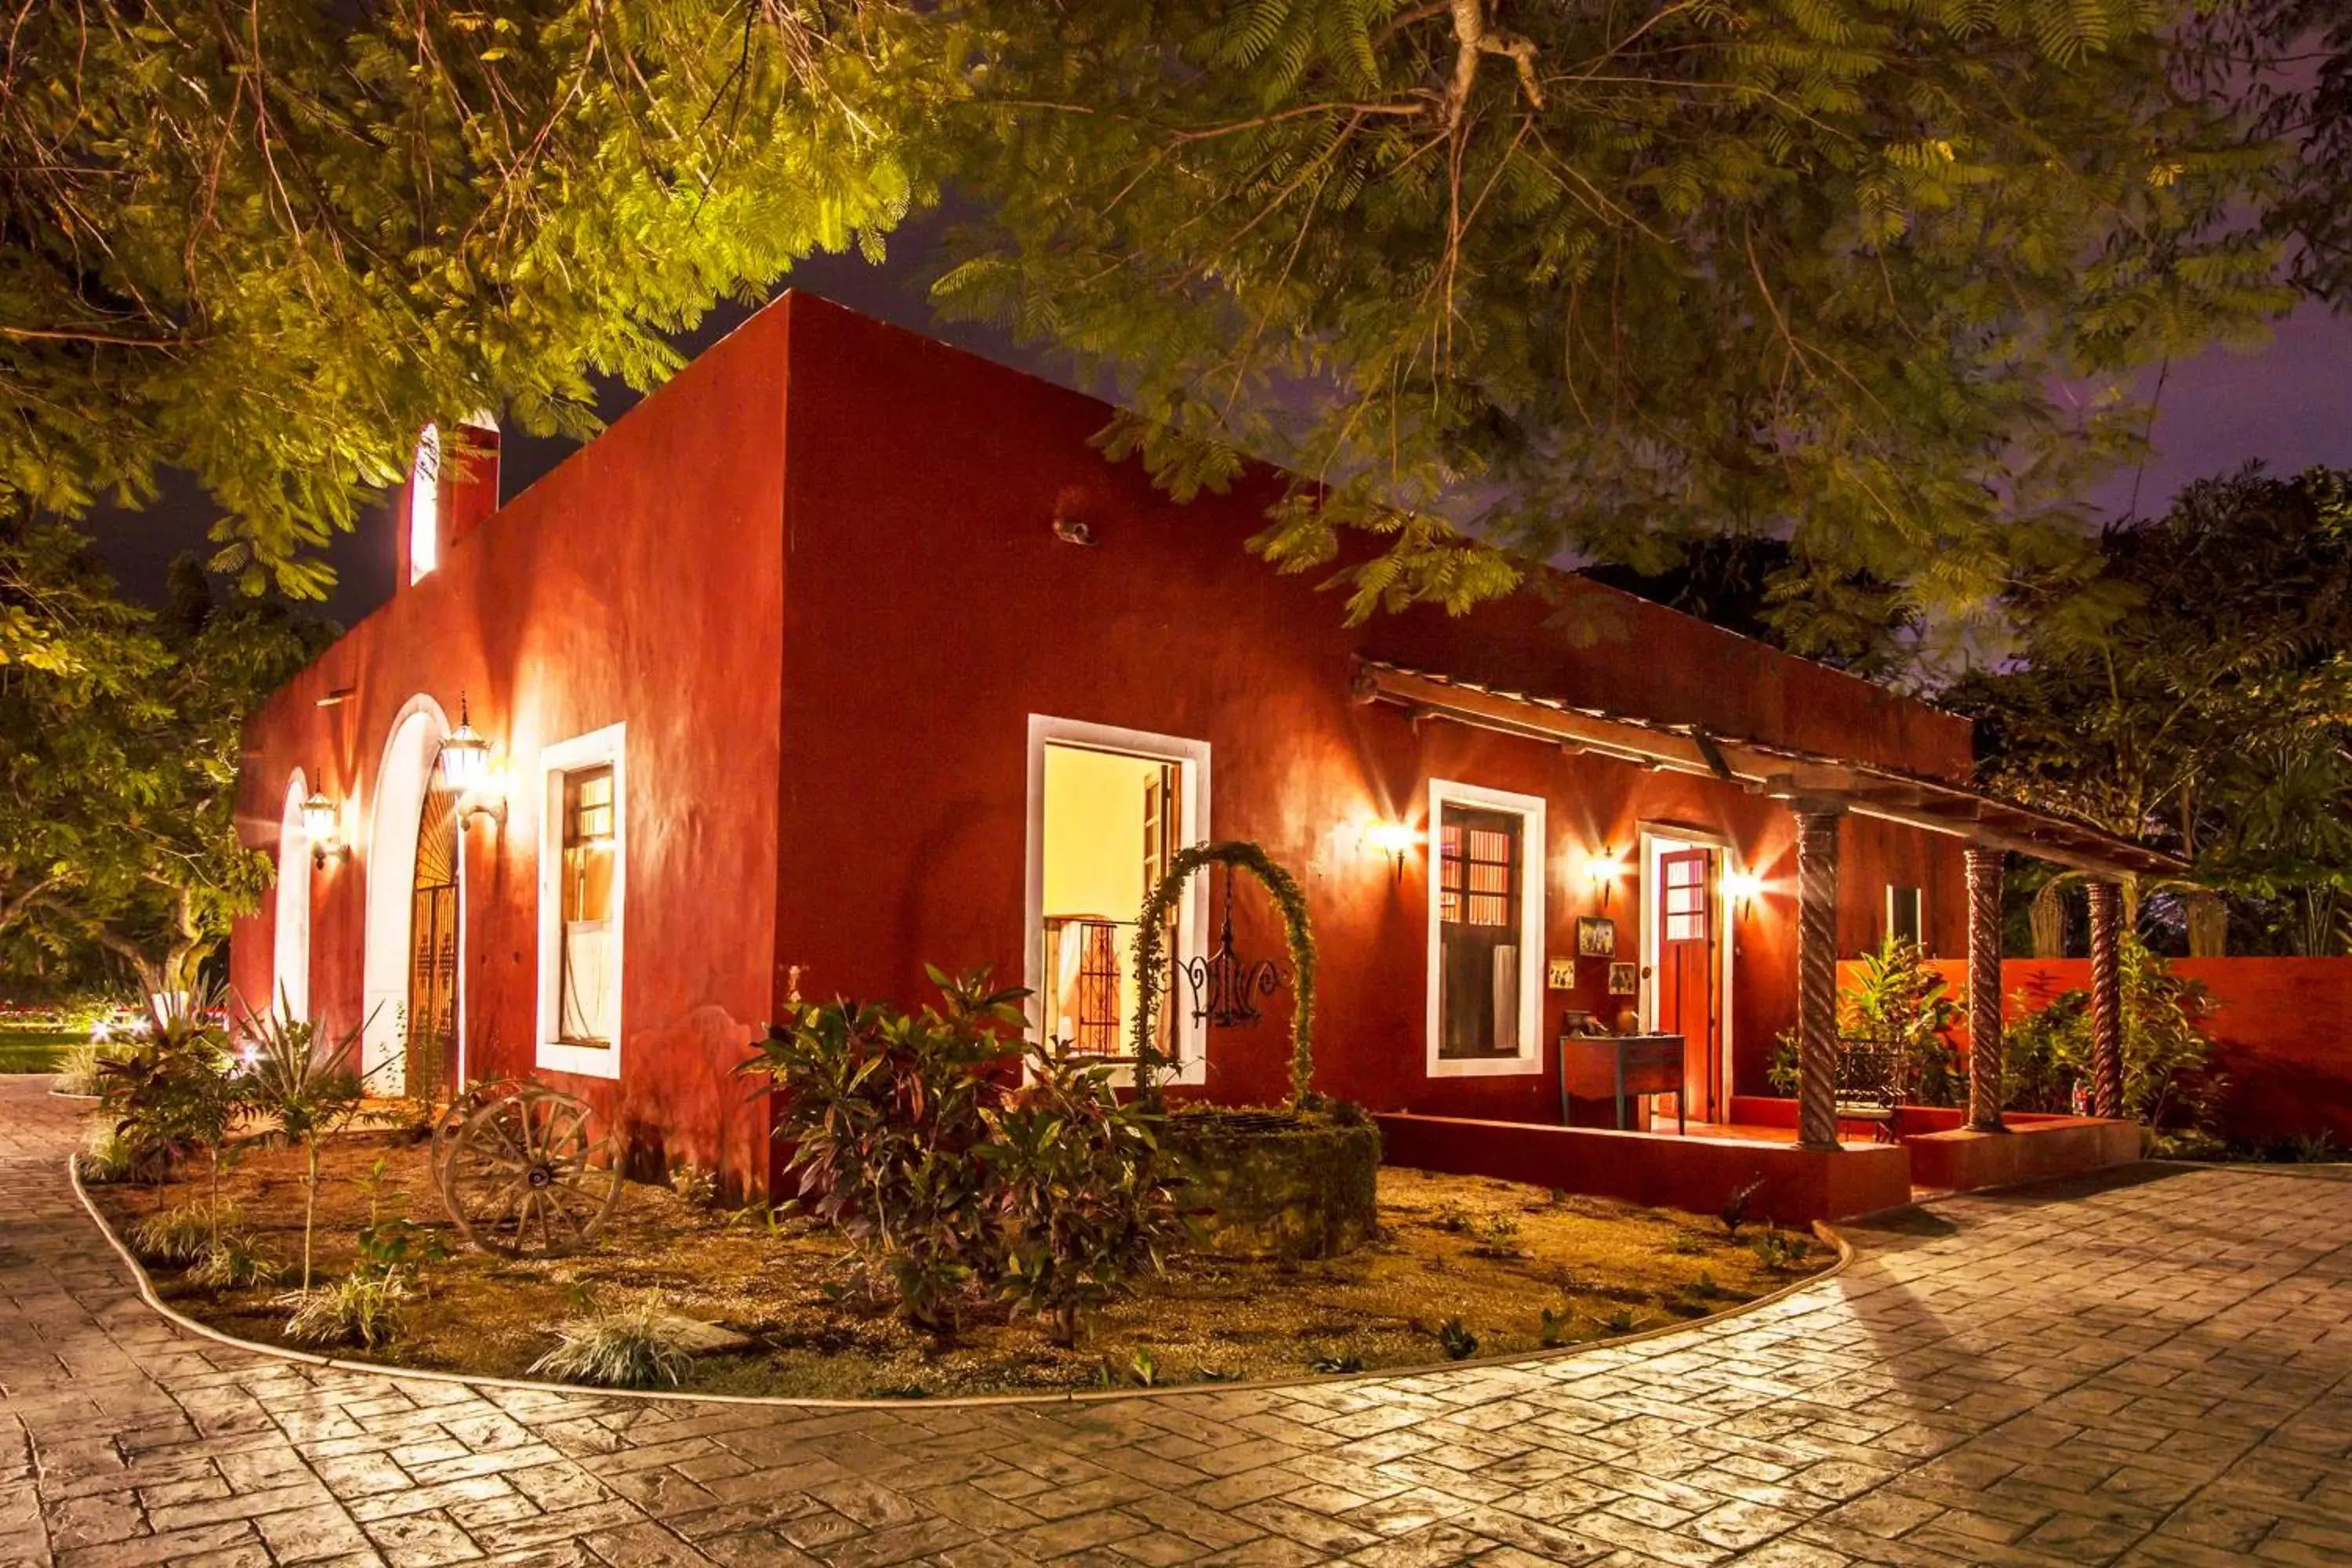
x=309, y=1089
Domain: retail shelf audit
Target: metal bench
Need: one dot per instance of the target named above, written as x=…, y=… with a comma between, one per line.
x=1870, y=1085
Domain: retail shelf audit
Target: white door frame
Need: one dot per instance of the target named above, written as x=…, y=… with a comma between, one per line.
x=1657, y=840
x=1191, y=760
x=397, y=803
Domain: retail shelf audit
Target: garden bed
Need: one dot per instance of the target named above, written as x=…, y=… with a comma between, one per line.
x=1493, y=1258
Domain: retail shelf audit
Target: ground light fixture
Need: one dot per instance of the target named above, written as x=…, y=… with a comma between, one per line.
x=321, y=822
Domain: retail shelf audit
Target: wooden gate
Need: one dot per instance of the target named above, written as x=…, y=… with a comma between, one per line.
x=431, y=1061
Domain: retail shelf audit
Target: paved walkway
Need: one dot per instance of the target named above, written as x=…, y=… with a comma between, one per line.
x=2145, y=1371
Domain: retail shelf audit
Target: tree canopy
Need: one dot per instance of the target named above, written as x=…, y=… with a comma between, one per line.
x=266, y=244
x=1505, y=281
x=2198, y=692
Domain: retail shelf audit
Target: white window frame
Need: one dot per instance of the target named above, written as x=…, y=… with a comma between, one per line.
x=598, y=748
x=1191, y=760
x=1533, y=878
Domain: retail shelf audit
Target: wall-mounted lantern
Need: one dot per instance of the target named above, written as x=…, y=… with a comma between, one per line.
x=322, y=825
x=1603, y=871
x=1393, y=839
x=1741, y=889
x=469, y=769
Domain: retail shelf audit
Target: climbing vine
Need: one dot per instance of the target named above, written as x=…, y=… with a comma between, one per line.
x=1151, y=960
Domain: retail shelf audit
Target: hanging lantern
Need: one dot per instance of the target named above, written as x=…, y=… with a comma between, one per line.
x=1224, y=984
x=319, y=820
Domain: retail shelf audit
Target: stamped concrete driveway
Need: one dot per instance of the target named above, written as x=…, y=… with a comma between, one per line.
x=2148, y=1370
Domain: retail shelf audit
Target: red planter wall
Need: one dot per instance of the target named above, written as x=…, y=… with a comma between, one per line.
x=2281, y=1032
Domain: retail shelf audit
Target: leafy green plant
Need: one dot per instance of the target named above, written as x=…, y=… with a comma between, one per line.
x=1077, y=1184
x=308, y=1086
x=2166, y=1054
x=635, y=1346
x=106, y=1156
x=1897, y=1001
x=1553, y=1328
x=695, y=1187
x=182, y=1233
x=173, y=1095
x=1620, y=1321
x=1144, y=1367
x=1498, y=1237
x=2310, y=1147
x=1780, y=1251
x=233, y=1262
x=884, y=1111
x=1458, y=1342
x=364, y=1308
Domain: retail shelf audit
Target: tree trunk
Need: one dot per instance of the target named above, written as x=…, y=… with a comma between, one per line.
x=2049, y=920
x=2209, y=924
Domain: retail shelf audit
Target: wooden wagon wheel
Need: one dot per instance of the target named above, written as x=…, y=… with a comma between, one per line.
x=461, y=1109
x=528, y=1177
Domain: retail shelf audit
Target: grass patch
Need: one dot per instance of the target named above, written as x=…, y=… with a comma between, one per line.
x=38, y=1050
x=1458, y=1259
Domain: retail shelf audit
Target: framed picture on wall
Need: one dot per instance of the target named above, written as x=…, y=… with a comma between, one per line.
x=1596, y=937
x=1624, y=979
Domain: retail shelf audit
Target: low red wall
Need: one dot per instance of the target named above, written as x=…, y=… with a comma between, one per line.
x=1770, y=1111
x=1696, y=1174
x=2281, y=1032
x=2032, y=1149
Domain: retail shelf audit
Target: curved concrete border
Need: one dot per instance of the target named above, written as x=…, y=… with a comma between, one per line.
x=147, y=1293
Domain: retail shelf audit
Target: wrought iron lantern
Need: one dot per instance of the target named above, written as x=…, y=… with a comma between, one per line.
x=1224, y=984
x=464, y=754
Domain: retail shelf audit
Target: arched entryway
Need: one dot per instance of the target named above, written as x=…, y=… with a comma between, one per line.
x=289, y=966
x=396, y=818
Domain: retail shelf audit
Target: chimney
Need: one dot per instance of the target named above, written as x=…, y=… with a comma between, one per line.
x=453, y=488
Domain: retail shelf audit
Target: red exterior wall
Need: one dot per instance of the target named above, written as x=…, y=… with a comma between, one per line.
x=932, y=610
x=2281, y=1032
x=640, y=582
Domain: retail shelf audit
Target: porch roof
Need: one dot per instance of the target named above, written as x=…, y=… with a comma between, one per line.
x=1867, y=789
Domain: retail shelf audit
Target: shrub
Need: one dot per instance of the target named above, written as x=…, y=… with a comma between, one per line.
x=233, y=1262
x=631, y=1347
x=695, y=1187
x=2165, y=1051
x=364, y=1308
x=173, y=1095
x=1075, y=1181
x=884, y=1111
x=106, y=1154
x=182, y=1233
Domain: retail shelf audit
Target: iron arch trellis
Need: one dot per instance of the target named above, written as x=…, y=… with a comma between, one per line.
x=1151, y=962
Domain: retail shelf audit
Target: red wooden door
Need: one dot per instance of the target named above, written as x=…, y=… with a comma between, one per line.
x=1686, y=979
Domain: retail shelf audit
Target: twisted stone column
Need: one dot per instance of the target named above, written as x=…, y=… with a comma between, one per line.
x=1817, y=885
x=2106, y=1002
x=1986, y=1061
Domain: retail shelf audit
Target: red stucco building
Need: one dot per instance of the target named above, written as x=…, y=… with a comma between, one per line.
x=844, y=652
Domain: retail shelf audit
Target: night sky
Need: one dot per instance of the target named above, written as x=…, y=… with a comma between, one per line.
x=2289, y=404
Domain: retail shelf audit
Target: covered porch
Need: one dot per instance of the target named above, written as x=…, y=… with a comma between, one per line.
x=1815, y=1162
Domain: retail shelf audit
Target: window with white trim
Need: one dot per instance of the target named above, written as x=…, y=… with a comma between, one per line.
x=582, y=887
x=1486, y=931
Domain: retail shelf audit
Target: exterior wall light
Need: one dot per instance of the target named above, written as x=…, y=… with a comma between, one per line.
x=320, y=825
x=464, y=754
x=1742, y=888
x=1393, y=839
x=1603, y=871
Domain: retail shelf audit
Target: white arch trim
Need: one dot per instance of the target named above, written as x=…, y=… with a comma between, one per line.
x=402, y=777
x=289, y=965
